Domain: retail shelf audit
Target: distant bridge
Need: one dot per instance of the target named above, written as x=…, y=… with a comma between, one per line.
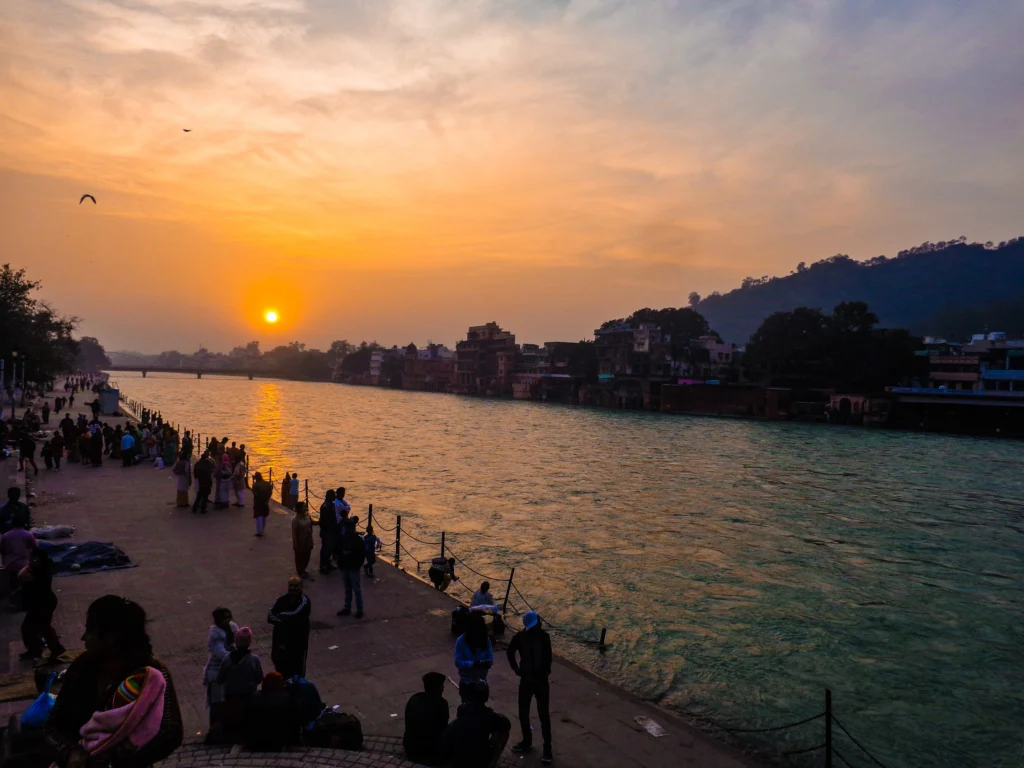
x=198, y=371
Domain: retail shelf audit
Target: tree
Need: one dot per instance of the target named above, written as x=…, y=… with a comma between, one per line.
x=694, y=299
x=30, y=327
x=91, y=355
x=340, y=348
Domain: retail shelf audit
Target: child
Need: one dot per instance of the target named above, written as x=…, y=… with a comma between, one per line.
x=132, y=718
x=373, y=545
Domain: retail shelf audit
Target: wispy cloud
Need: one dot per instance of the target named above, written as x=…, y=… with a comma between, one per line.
x=695, y=141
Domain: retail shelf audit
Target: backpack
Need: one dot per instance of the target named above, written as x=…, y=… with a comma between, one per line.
x=337, y=730
x=305, y=700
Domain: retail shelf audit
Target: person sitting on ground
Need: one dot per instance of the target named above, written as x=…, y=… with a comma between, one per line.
x=290, y=617
x=271, y=722
x=483, y=596
x=372, y=545
x=116, y=647
x=241, y=674
x=14, y=512
x=426, y=717
x=39, y=601
x=474, y=655
x=478, y=734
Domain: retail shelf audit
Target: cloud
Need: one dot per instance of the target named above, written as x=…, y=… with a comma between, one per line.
x=695, y=141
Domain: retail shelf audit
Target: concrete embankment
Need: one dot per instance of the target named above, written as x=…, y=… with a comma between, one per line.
x=190, y=564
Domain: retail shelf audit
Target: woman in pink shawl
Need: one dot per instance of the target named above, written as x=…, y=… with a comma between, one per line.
x=93, y=719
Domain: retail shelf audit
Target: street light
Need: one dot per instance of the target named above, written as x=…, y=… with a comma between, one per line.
x=14, y=378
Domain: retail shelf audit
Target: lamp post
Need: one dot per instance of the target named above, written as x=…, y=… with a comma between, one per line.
x=14, y=378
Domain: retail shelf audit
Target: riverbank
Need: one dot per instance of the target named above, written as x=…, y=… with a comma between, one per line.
x=189, y=564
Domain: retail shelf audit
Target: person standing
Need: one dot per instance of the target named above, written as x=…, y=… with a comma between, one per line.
x=186, y=445
x=40, y=602
x=302, y=539
x=16, y=547
x=127, y=449
x=56, y=449
x=293, y=490
x=533, y=669
x=182, y=480
x=238, y=483
x=290, y=642
x=220, y=640
x=46, y=413
x=27, y=453
x=474, y=655
x=223, y=483
x=96, y=449
x=241, y=673
x=203, y=472
x=342, y=510
x=328, y=532
x=351, y=553
x=15, y=513
x=372, y=545
x=286, y=488
x=261, y=491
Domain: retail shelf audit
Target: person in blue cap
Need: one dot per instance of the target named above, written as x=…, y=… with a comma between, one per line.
x=533, y=669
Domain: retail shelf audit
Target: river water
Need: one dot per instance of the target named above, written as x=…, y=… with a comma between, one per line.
x=740, y=567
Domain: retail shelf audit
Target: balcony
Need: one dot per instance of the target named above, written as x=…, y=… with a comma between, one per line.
x=952, y=376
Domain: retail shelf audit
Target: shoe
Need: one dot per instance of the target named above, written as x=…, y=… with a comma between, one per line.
x=547, y=758
x=344, y=612
x=521, y=748
x=26, y=655
x=359, y=614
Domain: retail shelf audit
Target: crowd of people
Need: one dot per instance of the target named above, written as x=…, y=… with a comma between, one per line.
x=118, y=679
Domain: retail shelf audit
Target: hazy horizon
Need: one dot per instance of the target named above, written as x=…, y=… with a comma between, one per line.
x=402, y=170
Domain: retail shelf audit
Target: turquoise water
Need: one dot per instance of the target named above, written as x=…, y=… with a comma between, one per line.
x=739, y=567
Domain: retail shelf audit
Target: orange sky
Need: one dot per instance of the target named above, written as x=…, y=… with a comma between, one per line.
x=400, y=170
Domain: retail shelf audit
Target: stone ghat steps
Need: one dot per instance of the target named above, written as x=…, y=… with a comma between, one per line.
x=377, y=752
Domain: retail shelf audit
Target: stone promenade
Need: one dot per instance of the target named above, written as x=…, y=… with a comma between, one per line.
x=190, y=564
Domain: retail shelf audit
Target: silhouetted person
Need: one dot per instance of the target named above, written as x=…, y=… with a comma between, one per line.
x=478, y=734
x=203, y=473
x=426, y=717
x=328, y=532
x=290, y=617
x=533, y=668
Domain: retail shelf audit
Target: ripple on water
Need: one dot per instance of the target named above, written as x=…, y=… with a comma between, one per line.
x=740, y=567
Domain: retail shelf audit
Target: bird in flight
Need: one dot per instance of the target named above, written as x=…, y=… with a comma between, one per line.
x=187, y=130
x=82, y=199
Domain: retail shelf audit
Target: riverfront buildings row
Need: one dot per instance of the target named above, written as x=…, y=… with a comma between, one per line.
x=976, y=386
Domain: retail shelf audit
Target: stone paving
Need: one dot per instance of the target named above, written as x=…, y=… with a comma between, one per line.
x=189, y=564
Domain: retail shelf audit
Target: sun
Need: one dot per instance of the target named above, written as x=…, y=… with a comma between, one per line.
x=270, y=316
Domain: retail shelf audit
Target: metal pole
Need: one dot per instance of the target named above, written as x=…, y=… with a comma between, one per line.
x=369, y=517
x=828, y=728
x=600, y=644
x=442, y=543
x=306, y=481
x=508, y=588
x=398, y=537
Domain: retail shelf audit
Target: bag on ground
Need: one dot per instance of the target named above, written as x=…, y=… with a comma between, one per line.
x=338, y=730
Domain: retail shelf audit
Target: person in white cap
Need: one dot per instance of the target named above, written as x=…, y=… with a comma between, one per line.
x=533, y=668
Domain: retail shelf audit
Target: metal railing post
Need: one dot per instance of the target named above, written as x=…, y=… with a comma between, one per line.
x=828, y=728
x=398, y=537
x=508, y=589
x=369, y=517
x=306, y=481
x=442, y=543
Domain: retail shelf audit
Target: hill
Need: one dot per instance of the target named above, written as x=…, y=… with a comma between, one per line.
x=947, y=288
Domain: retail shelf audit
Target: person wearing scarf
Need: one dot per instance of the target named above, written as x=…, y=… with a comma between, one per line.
x=220, y=640
x=241, y=673
x=224, y=473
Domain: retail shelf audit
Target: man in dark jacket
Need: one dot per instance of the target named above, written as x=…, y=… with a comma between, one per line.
x=351, y=554
x=290, y=617
x=328, y=532
x=478, y=734
x=426, y=717
x=533, y=668
x=203, y=472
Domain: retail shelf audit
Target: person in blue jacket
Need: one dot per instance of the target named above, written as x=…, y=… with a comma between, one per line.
x=474, y=655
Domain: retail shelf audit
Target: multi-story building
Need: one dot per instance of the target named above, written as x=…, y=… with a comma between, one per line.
x=485, y=361
x=644, y=351
x=431, y=369
x=376, y=359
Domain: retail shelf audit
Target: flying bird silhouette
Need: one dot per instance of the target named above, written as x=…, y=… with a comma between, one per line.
x=187, y=130
x=82, y=199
